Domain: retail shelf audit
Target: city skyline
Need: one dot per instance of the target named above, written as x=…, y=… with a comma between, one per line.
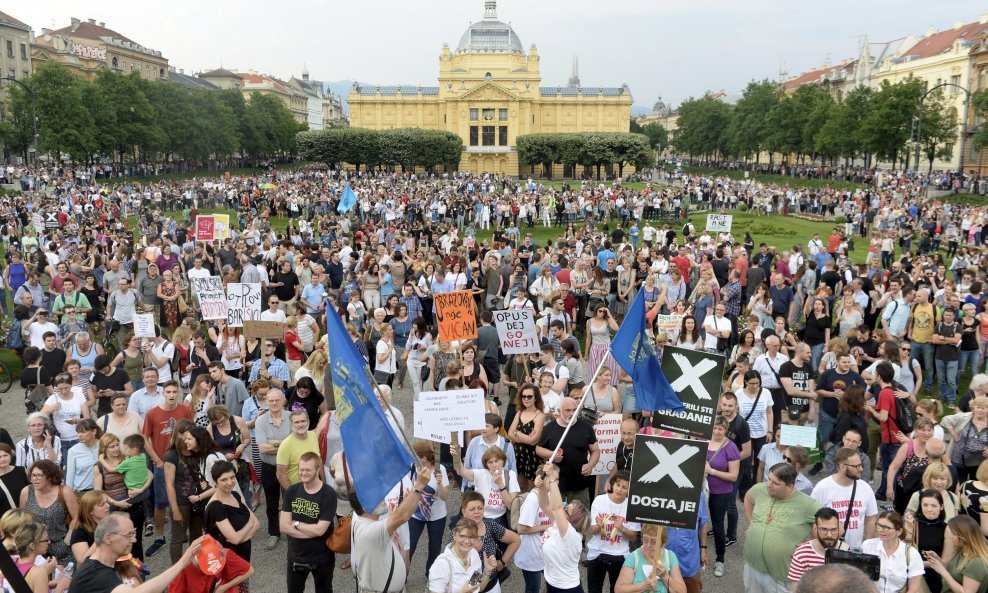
x=392, y=42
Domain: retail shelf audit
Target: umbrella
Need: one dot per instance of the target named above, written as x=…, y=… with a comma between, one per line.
x=268, y=186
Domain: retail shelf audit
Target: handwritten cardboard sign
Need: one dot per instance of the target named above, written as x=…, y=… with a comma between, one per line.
x=266, y=330
x=212, y=297
x=243, y=302
x=456, y=315
x=144, y=325
x=608, y=430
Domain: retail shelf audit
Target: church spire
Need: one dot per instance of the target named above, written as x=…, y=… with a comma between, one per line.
x=574, y=77
x=490, y=10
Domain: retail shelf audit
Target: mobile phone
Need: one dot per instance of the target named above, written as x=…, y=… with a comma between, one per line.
x=475, y=577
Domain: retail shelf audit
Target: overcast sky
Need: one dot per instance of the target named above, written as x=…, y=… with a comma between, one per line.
x=669, y=48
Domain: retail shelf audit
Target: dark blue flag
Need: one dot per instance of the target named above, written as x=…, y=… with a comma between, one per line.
x=376, y=456
x=348, y=200
x=635, y=352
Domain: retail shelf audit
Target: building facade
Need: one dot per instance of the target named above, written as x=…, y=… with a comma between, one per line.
x=15, y=62
x=86, y=47
x=490, y=93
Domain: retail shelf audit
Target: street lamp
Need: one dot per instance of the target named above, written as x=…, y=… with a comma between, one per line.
x=919, y=122
x=34, y=117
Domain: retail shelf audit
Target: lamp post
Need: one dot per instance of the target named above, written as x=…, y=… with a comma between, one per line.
x=34, y=117
x=919, y=122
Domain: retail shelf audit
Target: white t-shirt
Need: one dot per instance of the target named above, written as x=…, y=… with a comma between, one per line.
x=370, y=560
x=268, y=315
x=37, y=330
x=166, y=351
x=483, y=483
x=438, y=508
x=831, y=494
x=198, y=273
x=609, y=540
x=529, y=554
x=393, y=500
x=711, y=323
x=448, y=574
x=70, y=410
x=390, y=364
x=894, y=571
x=562, y=557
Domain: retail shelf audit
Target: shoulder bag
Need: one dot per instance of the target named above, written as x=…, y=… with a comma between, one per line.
x=339, y=539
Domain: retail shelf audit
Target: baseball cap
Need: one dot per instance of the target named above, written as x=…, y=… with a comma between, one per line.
x=210, y=558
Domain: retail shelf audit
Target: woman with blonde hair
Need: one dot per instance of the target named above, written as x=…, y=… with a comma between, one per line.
x=661, y=575
x=93, y=506
x=937, y=477
x=835, y=348
x=964, y=564
x=10, y=523
x=314, y=367
x=31, y=543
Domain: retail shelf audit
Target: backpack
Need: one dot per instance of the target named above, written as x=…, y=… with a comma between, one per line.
x=15, y=339
x=515, y=511
x=905, y=415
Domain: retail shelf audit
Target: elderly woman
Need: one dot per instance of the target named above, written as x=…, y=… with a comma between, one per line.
x=53, y=504
x=40, y=442
x=971, y=448
x=93, y=506
x=651, y=566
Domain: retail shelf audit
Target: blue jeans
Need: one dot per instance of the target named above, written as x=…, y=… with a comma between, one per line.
x=435, y=528
x=719, y=505
x=947, y=380
x=886, y=452
x=816, y=353
x=826, y=424
x=533, y=580
x=926, y=351
x=66, y=445
x=969, y=359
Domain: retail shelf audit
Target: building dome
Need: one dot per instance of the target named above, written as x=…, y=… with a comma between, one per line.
x=490, y=34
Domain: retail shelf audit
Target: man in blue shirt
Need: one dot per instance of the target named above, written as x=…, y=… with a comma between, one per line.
x=604, y=254
x=314, y=297
x=690, y=546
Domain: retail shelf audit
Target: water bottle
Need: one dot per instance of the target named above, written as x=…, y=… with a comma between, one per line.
x=69, y=569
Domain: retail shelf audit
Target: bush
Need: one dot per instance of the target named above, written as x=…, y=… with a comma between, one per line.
x=840, y=219
x=743, y=207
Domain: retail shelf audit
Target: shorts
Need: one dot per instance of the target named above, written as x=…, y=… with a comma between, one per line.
x=160, y=495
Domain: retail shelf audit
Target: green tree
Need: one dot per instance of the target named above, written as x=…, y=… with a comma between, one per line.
x=702, y=127
x=125, y=118
x=980, y=103
x=749, y=130
x=65, y=125
x=938, y=127
x=888, y=124
x=841, y=135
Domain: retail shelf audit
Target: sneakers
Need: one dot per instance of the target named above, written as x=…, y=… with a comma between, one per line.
x=730, y=542
x=719, y=569
x=272, y=542
x=155, y=546
x=148, y=529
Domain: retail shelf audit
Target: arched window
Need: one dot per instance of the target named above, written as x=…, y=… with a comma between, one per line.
x=488, y=76
x=115, y=63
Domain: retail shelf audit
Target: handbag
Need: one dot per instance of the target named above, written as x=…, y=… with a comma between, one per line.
x=198, y=508
x=339, y=539
x=35, y=396
x=587, y=414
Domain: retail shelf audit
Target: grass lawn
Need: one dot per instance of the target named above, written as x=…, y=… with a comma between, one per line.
x=774, y=179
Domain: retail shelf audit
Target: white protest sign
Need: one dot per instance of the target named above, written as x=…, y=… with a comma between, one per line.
x=804, y=436
x=668, y=323
x=212, y=298
x=608, y=430
x=144, y=325
x=516, y=330
x=719, y=223
x=243, y=301
x=438, y=413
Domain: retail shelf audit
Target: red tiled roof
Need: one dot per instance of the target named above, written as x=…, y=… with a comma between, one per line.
x=9, y=19
x=251, y=78
x=87, y=30
x=938, y=43
x=813, y=75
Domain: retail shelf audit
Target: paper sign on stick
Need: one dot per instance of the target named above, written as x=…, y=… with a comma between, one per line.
x=516, y=330
x=456, y=315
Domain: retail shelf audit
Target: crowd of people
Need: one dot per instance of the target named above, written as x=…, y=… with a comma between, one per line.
x=133, y=445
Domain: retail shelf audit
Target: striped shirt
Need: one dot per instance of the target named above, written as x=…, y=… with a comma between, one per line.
x=804, y=558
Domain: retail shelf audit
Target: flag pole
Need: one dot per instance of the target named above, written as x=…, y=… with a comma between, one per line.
x=377, y=390
x=576, y=414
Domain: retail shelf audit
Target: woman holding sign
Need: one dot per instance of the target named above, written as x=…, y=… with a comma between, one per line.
x=498, y=486
x=652, y=566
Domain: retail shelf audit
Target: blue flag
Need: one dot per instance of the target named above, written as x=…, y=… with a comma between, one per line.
x=348, y=201
x=632, y=349
x=376, y=456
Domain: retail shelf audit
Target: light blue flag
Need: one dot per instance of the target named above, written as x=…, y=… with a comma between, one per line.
x=376, y=456
x=348, y=201
x=632, y=349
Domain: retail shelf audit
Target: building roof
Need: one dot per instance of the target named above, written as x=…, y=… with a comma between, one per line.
x=814, y=76
x=938, y=43
x=191, y=82
x=10, y=21
x=90, y=30
x=220, y=73
x=490, y=34
x=404, y=89
x=569, y=91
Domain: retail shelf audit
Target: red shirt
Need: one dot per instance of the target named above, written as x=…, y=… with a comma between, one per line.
x=193, y=580
x=292, y=352
x=886, y=401
x=833, y=242
x=683, y=263
x=741, y=265
x=159, y=424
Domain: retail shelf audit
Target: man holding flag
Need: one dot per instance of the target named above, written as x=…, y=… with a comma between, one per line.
x=634, y=350
x=348, y=200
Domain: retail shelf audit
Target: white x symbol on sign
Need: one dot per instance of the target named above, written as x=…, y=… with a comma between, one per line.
x=669, y=464
x=691, y=375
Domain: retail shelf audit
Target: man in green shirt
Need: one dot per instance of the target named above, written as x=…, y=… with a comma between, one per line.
x=779, y=519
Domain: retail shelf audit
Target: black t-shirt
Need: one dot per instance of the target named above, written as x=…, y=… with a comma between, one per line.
x=53, y=361
x=117, y=381
x=624, y=456
x=238, y=517
x=576, y=448
x=801, y=377
x=310, y=404
x=228, y=257
x=310, y=508
x=81, y=536
x=948, y=351
x=816, y=330
x=36, y=376
x=830, y=278
x=738, y=432
x=290, y=281
x=869, y=347
x=95, y=577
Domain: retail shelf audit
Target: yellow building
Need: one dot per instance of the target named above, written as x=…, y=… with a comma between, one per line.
x=490, y=93
x=86, y=47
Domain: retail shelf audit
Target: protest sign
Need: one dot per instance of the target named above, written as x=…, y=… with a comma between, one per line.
x=516, y=330
x=456, y=316
x=696, y=377
x=668, y=323
x=144, y=325
x=221, y=226
x=51, y=220
x=719, y=223
x=243, y=302
x=438, y=413
x=608, y=430
x=265, y=330
x=212, y=297
x=205, y=227
x=666, y=481
x=804, y=436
